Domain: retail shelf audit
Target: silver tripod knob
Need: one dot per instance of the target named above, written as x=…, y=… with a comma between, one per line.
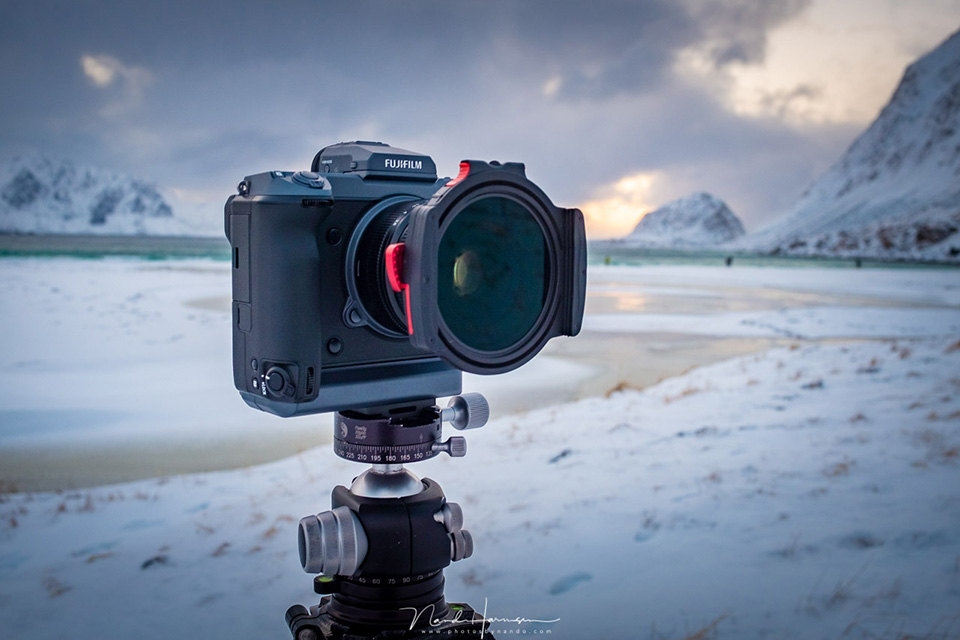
x=467, y=411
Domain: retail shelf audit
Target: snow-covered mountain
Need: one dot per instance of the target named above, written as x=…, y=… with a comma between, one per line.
x=896, y=191
x=42, y=195
x=698, y=221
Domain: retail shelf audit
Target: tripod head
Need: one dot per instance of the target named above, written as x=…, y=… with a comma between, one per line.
x=382, y=547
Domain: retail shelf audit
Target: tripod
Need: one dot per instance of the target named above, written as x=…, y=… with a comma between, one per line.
x=382, y=547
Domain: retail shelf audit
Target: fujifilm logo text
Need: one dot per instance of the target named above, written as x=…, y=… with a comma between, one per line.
x=397, y=163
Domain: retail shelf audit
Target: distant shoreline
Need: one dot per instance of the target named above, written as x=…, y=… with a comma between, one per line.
x=96, y=246
x=599, y=251
x=621, y=252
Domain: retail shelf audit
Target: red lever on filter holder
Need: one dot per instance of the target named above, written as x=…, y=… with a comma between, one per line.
x=464, y=172
x=394, y=256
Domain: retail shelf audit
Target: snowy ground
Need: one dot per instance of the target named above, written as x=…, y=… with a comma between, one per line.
x=809, y=491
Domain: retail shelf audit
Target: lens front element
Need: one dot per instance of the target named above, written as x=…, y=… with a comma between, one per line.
x=467, y=272
x=492, y=271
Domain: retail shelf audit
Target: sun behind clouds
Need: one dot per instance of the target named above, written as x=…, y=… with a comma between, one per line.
x=620, y=205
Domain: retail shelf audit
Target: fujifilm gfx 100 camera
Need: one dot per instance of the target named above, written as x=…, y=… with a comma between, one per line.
x=366, y=281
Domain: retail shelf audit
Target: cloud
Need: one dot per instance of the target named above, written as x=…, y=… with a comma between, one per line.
x=196, y=94
x=100, y=69
x=611, y=48
x=736, y=31
x=818, y=62
x=790, y=105
x=129, y=82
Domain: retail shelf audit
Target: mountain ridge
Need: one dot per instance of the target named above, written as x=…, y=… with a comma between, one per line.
x=697, y=221
x=43, y=195
x=895, y=192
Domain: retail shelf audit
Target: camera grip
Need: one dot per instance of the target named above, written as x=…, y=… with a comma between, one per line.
x=273, y=355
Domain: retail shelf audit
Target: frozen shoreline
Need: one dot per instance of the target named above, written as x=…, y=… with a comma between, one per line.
x=119, y=369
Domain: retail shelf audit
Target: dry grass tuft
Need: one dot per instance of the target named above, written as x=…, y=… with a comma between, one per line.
x=689, y=391
x=98, y=556
x=471, y=579
x=837, y=470
x=269, y=533
x=709, y=631
x=54, y=587
x=938, y=449
x=623, y=385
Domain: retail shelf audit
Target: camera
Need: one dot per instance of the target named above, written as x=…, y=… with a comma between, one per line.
x=367, y=281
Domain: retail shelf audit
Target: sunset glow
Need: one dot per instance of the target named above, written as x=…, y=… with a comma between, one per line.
x=619, y=206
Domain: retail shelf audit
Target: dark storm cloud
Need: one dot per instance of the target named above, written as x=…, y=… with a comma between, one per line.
x=736, y=30
x=206, y=91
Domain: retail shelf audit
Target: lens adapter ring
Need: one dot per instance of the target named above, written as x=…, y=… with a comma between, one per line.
x=357, y=301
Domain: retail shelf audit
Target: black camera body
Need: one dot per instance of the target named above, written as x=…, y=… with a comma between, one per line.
x=368, y=282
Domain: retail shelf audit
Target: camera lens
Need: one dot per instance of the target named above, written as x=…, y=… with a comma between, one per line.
x=492, y=270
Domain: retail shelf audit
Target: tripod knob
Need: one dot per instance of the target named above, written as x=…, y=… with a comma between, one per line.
x=468, y=411
x=450, y=516
x=332, y=542
x=461, y=545
x=454, y=446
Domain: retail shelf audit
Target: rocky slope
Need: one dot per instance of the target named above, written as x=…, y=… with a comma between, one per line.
x=895, y=193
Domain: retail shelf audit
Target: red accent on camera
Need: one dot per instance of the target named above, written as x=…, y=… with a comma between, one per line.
x=464, y=172
x=394, y=256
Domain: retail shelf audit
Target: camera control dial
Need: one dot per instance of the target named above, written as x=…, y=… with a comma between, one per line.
x=311, y=179
x=276, y=382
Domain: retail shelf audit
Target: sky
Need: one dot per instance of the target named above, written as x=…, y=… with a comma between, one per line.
x=615, y=106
